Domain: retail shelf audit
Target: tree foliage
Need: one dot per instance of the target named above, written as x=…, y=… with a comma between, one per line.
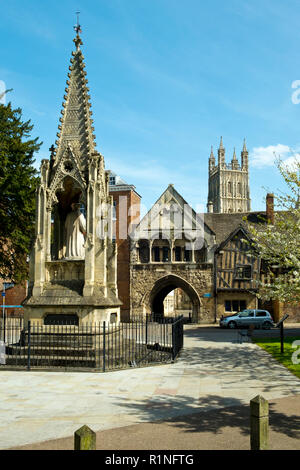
x=18, y=182
x=279, y=244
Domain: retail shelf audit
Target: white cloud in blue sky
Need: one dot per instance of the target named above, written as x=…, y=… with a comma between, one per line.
x=262, y=157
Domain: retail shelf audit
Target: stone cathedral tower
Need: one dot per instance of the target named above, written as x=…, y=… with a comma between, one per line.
x=228, y=184
x=73, y=266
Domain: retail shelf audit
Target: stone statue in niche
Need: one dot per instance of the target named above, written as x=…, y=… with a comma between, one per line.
x=75, y=227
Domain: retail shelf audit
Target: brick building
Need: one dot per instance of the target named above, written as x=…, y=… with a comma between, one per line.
x=126, y=215
x=14, y=295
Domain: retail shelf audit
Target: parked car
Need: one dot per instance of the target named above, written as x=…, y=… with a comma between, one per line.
x=258, y=318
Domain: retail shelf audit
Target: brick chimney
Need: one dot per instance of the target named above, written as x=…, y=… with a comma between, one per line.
x=270, y=208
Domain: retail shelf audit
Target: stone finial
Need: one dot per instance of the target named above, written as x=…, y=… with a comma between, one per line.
x=221, y=153
x=234, y=161
x=78, y=42
x=244, y=156
x=212, y=160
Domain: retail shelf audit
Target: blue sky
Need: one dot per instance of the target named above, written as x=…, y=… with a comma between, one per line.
x=167, y=78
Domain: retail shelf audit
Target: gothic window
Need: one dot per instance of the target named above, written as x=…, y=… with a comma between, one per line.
x=239, y=189
x=187, y=255
x=156, y=251
x=165, y=254
x=229, y=188
x=144, y=251
x=178, y=253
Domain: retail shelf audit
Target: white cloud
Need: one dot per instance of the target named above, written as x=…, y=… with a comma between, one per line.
x=265, y=156
x=292, y=162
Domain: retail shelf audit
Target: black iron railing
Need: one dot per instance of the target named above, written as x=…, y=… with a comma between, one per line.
x=177, y=336
x=97, y=346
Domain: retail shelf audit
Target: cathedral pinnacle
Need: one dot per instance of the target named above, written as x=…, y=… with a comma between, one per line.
x=221, y=144
x=234, y=161
x=221, y=153
x=244, y=156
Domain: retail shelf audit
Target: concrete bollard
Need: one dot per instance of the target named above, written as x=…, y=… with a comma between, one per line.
x=259, y=423
x=84, y=439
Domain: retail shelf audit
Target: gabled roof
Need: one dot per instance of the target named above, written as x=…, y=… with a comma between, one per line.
x=222, y=224
x=172, y=212
x=237, y=230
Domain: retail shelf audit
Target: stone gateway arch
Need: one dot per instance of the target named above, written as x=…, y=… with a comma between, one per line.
x=166, y=256
x=167, y=284
x=149, y=287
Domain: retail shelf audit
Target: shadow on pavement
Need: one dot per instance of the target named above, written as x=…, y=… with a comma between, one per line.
x=195, y=419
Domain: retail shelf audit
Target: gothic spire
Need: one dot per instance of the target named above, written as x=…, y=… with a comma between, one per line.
x=234, y=161
x=212, y=160
x=244, y=156
x=75, y=129
x=221, y=153
x=221, y=144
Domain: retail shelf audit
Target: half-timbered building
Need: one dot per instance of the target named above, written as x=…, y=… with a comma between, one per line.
x=237, y=272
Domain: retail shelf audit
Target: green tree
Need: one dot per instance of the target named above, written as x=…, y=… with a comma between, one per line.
x=18, y=182
x=279, y=243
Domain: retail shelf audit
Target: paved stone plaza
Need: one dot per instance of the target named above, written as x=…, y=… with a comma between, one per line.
x=213, y=372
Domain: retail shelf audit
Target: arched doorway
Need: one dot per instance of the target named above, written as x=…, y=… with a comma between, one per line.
x=167, y=284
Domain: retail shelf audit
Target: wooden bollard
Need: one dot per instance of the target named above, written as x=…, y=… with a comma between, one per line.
x=84, y=439
x=259, y=423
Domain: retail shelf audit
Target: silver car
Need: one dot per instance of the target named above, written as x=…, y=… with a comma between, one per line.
x=258, y=318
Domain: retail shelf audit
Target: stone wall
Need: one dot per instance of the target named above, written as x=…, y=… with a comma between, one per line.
x=250, y=299
x=293, y=311
x=197, y=279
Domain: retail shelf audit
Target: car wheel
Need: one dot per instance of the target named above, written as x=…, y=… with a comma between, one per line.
x=266, y=325
x=232, y=325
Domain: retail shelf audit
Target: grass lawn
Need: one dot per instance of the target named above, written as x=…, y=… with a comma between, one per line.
x=272, y=346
